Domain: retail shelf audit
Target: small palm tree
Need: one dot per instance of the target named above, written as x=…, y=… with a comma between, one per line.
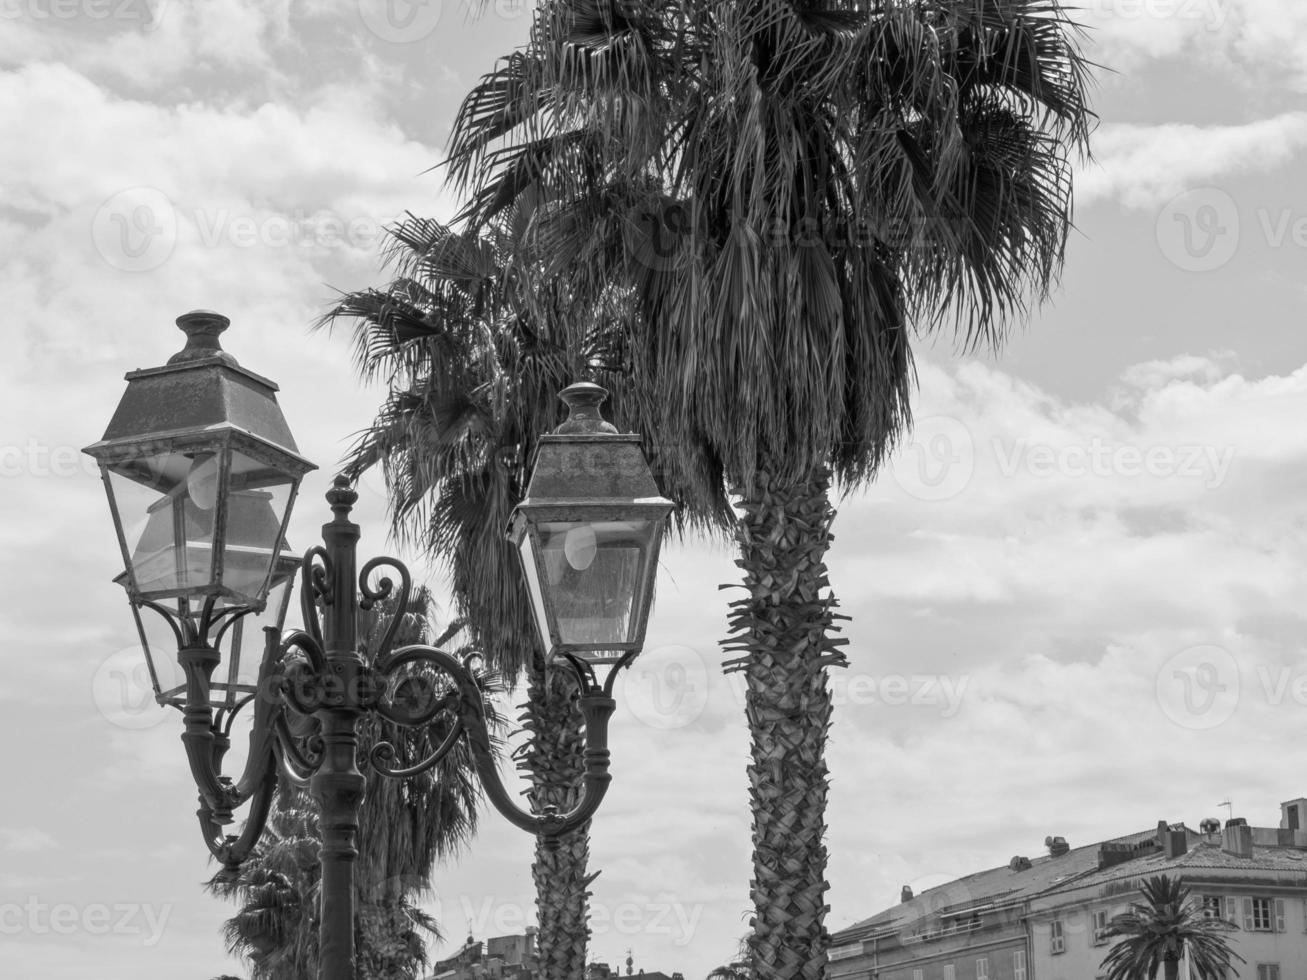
x=738, y=968
x=1157, y=932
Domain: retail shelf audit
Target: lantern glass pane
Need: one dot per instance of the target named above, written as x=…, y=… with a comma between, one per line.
x=592, y=571
x=169, y=537
x=242, y=643
x=256, y=507
x=527, y=553
x=159, y=668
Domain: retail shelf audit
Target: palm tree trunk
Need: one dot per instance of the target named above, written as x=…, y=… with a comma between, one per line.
x=783, y=629
x=554, y=761
x=1171, y=969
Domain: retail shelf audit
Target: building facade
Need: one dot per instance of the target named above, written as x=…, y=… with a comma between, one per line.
x=1044, y=918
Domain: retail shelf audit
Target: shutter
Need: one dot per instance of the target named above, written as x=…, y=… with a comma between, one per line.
x=1231, y=913
x=1248, y=914
x=1279, y=915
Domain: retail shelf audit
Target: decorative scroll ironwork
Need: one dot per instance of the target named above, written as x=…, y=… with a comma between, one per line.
x=298, y=682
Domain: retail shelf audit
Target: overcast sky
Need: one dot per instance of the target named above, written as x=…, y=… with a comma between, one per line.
x=1075, y=596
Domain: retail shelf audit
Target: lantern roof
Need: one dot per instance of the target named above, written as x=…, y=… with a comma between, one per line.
x=587, y=461
x=201, y=392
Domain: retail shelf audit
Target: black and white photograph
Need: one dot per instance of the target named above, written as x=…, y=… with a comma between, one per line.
x=690, y=490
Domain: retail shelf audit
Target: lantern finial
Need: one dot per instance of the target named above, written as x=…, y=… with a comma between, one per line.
x=202, y=328
x=583, y=400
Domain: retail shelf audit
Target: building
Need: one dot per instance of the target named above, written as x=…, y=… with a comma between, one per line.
x=514, y=958
x=1043, y=918
x=501, y=958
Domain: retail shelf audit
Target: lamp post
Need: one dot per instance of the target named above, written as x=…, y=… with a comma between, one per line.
x=201, y=472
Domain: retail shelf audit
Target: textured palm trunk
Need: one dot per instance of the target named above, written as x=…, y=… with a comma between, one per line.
x=554, y=762
x=782, y=631
x=1171, y=969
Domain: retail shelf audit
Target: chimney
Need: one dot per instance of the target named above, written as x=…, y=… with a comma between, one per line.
x=1293, y=815
x=1110, y=854
x=1237, y=838
x=906, y=894
x=1057, y=846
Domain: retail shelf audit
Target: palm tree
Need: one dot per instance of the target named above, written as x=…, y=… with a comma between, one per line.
x=404, y=827
x=1159, y=931
x=738, y=968
x=778, y=191
x=464, y=336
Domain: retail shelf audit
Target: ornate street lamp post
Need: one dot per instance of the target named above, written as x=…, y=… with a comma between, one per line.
x=201, y=472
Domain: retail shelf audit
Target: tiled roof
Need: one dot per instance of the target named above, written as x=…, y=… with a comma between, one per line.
x=998, y=886
x=1210, y=862
x=1078, y=868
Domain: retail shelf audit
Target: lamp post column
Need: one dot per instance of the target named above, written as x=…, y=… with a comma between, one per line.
x=338, y=786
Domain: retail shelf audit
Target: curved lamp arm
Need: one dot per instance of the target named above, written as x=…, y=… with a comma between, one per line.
x=597, y=706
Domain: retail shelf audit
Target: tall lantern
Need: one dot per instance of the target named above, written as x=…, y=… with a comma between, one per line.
x=588, y=534
x=201, y=473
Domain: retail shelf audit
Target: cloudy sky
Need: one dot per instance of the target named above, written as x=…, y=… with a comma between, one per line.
x=1075, y=595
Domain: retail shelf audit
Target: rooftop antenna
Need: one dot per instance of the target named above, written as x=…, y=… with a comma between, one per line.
x=1229, y=806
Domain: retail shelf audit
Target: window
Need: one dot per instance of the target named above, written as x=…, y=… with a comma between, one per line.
x=916, y=974
x=1263, y=914
x=1268, y=971
x=1019, y=965
x=1232, y=910
x=1100, y=927
x=1057, y=938
x=1211, y=906
x=948, y=972
x=982, y=968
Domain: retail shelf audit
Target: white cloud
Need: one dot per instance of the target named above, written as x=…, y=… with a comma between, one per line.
x=26, y=839
x=1252, y=42
x=1144, y=165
